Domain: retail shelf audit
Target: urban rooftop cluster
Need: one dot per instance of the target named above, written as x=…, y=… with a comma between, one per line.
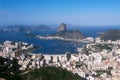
x=96, y=60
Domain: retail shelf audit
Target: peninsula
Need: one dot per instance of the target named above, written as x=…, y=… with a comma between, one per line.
x=68, y=34
x=64, y=34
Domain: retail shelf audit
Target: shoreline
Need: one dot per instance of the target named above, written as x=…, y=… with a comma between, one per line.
x=58, y=38
x=51, y=54
x=85, y=40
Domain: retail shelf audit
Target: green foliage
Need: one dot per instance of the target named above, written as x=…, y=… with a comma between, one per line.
x=31, y=35
x=100, y=47
x=51, y=73
x=10, y=70
x=99, y=72
x=72, y=34
x=105, y=46
x=111, y=35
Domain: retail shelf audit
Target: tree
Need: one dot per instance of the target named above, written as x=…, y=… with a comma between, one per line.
x=10, y=70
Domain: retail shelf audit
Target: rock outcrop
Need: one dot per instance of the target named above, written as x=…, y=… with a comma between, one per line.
x=68, y=34
x=62, y=27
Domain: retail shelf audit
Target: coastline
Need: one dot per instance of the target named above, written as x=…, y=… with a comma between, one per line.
x=85, y=40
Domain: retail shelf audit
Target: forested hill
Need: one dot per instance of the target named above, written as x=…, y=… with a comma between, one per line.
x=111, y=35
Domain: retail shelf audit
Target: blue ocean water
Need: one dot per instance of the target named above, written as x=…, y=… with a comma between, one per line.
x=49, y=46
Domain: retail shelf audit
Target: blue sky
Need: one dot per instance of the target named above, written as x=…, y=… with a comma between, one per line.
x=76, y=12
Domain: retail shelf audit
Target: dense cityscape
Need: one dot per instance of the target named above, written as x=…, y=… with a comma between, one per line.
x=98, y=59
x=59, y=39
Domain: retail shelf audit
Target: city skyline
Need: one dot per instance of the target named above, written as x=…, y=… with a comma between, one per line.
x=76, y=12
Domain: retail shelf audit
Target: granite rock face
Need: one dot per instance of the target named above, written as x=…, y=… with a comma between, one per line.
x=62, y=27
x=68, y=34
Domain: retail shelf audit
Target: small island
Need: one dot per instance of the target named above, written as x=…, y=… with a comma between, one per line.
x=64, y=34
x=68, y=34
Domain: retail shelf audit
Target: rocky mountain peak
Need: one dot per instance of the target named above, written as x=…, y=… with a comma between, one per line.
x=62, y=27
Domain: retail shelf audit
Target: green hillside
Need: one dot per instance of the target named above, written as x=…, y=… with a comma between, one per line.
x=51, y=73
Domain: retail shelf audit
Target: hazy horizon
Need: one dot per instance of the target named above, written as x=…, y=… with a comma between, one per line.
x=75, y=12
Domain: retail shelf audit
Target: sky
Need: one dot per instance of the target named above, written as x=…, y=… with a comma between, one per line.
x=76, y=12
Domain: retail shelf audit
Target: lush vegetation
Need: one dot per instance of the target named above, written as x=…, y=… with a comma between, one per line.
x=100, y=47
x=99, y=72
x=72, y=34
x=30, y=35
x=51, y=73
x=10, y=71
x=111, y=35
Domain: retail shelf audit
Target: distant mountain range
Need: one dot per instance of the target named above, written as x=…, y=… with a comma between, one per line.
x=41, y=28
x=73, y=31
x=21, y=28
